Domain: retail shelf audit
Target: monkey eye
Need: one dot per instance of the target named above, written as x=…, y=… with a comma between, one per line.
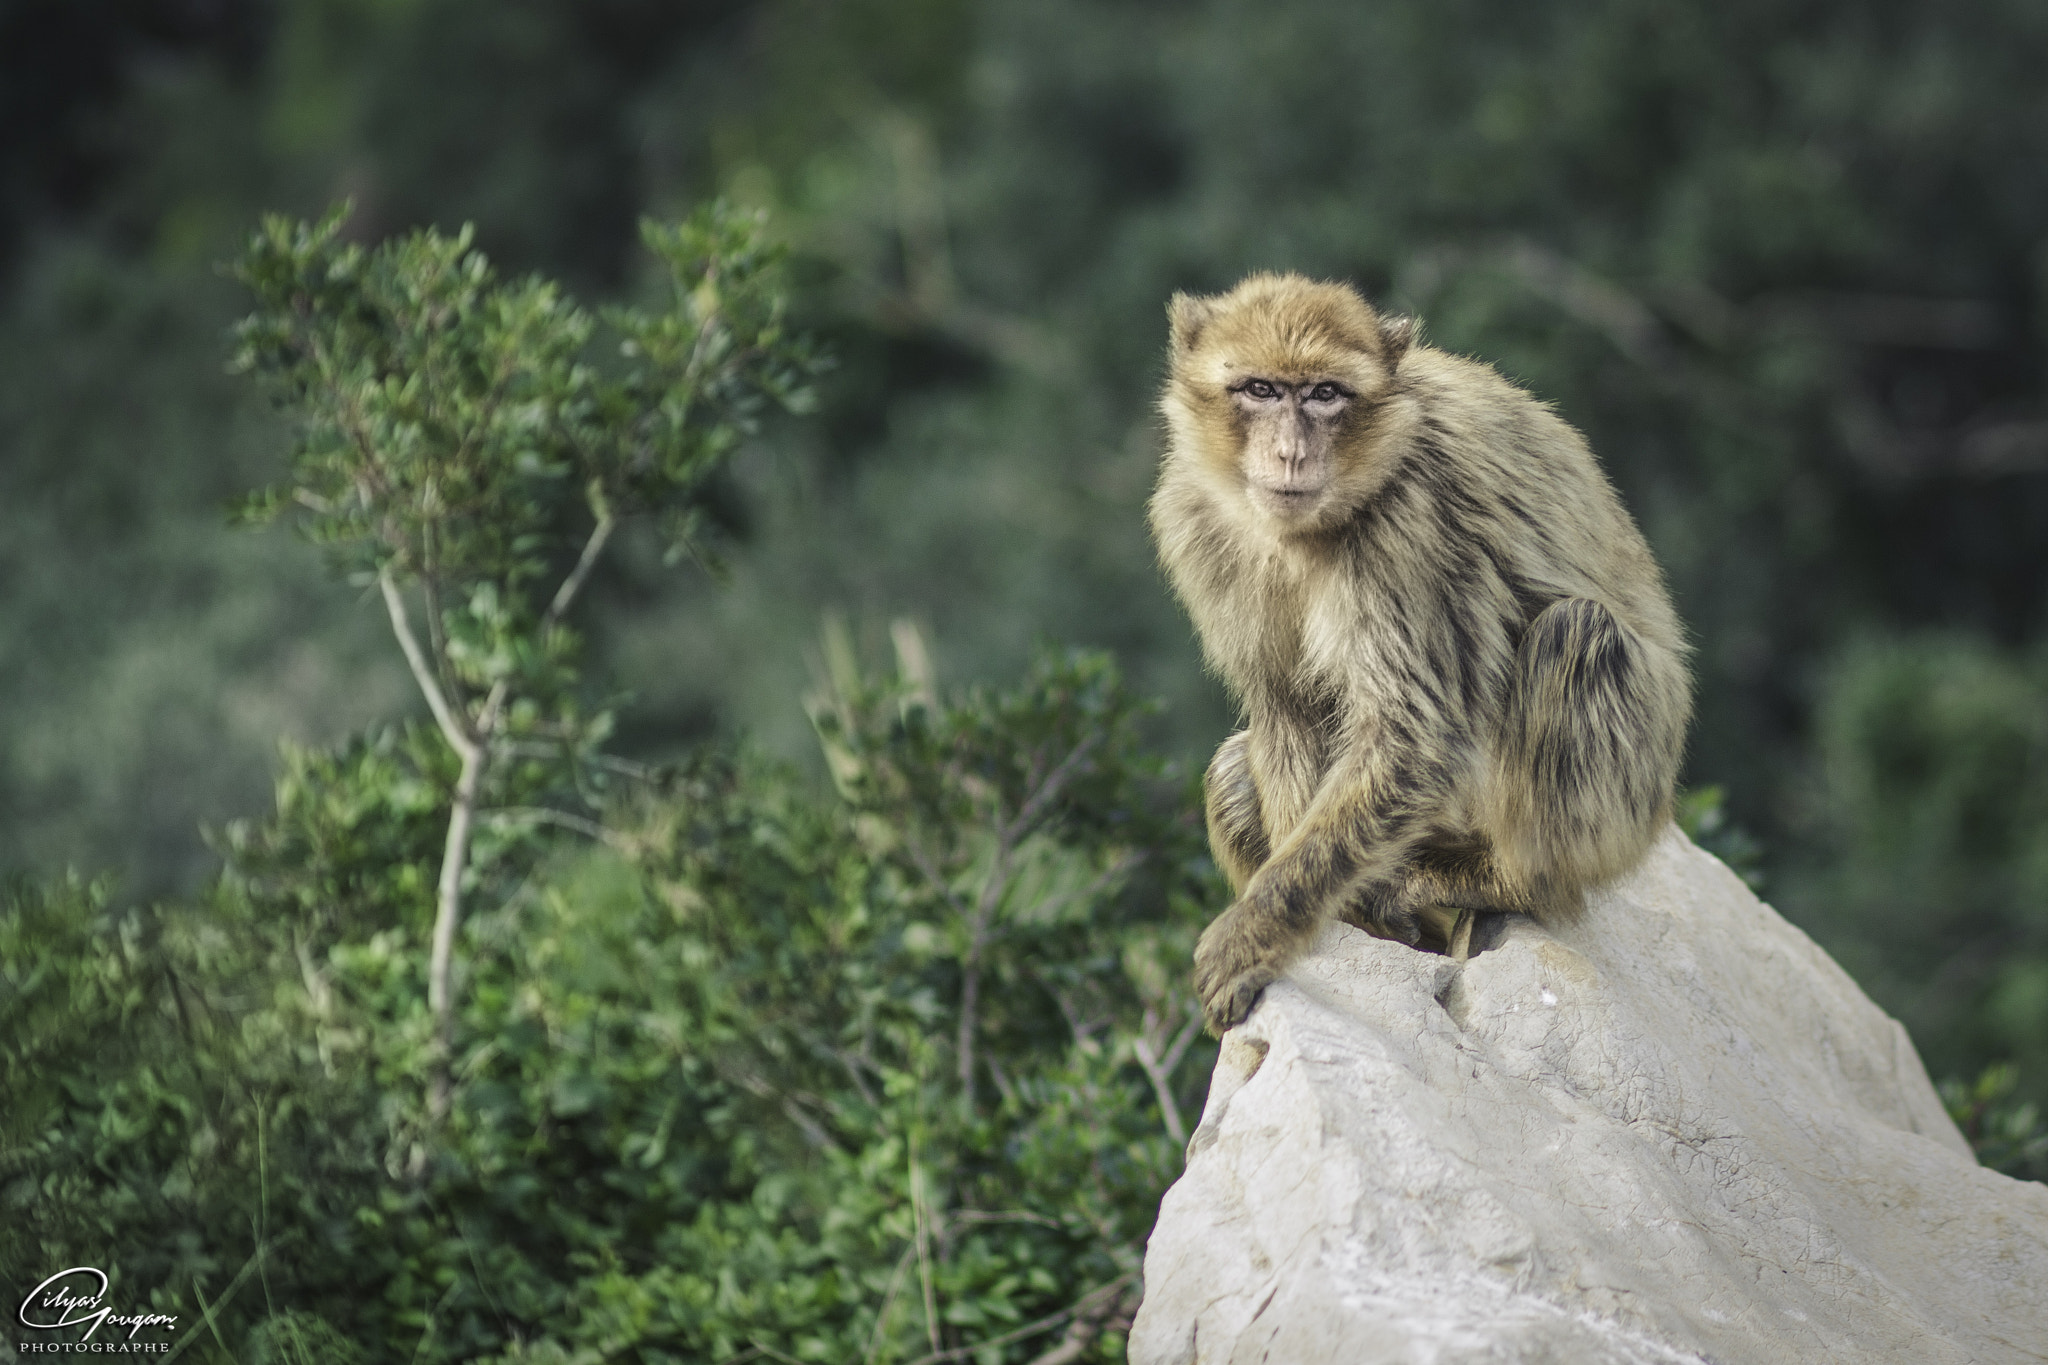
x=1262, y=389
x=1327, y=392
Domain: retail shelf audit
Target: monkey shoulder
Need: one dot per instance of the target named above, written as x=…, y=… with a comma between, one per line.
x=1479, y=423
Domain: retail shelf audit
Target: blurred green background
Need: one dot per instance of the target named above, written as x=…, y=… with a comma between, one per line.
x=1786, y=264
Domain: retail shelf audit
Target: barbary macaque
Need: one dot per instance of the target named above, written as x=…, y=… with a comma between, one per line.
x=1464, y=685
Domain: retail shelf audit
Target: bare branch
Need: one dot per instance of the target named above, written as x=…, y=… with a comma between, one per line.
x=888, y=1303
x=590, y=829
x=1159, y=1066
x=921, y=214
x=813, y=1131
x=1082, y=1029
x=1049, y=790
x=447, y=914
x=437, y=635
x=970, y=962
x=914, y=663
x=853, y=1063
x=585, y=562
x=1189, y=1032
x=920, y=1222
x=2004, y=448
x=494, y=708
x=994, y=1216
x=1102, y=881
x=1004, y=1085
x=457, y=734
x=791, y=1102
x=1007, y=835
x=625, y=767
x=1079, y=1337
x=1156, y=1072
x=923, y=860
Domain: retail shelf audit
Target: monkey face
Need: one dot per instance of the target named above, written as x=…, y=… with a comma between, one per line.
x=1285, y=391
x=1289, y=433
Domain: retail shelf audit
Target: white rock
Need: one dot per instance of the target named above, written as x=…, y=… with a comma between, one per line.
x=1675, y=1131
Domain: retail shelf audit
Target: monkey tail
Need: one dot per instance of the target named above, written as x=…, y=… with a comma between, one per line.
x=1588, y=755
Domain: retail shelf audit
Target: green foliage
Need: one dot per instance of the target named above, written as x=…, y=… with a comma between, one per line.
x=1703, y=814
x=710, y=1093
x=445, y=424
x=2006, y=1132
x=446, y=420
x=1781, y=263
x=1934, y=798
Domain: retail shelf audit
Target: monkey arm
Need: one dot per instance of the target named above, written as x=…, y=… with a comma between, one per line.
x=1368, y=815
x=1237, y=827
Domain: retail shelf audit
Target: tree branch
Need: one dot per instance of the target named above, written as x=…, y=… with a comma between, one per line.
x=1007, y=835
x=970, y=962
x=423, y=673
x=437, y=635
x=1189, y=1032
x=585, y=562
x=1158, y=1069
x=475, y=748
x=920, y=1223
x=1049, y=790
x=888, y=1303
x=589, y=829
x=447, y=914
x=923, y=860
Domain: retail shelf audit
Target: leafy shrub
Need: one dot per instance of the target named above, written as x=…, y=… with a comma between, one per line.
x=2006, y=1132
x=764, y=1073
x=1934, y=783
x=695, y=1064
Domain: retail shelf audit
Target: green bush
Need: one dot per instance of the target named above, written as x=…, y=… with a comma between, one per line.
x=1934, y=784
x=2006, y=1132
x=764, y=1073
x=691, y=1064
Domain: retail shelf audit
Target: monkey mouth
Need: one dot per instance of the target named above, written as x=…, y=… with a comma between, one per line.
x=1290, y=503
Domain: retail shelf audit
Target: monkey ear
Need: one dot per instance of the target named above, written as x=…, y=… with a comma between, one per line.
x=1188, y=315
x=1397, y=334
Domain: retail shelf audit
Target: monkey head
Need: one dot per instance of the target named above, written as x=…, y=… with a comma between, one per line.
x=1284, y=390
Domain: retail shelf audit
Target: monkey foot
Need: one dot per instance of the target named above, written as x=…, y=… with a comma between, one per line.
x=1461, y=936
x=1446, y=929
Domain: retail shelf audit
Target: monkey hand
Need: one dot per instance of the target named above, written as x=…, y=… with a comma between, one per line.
x=1238, y=955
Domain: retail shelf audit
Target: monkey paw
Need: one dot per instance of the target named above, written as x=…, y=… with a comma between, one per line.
x=1231, y=969
x=1230, y=1003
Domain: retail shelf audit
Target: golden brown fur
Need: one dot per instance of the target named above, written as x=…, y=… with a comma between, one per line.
x=1463, y=682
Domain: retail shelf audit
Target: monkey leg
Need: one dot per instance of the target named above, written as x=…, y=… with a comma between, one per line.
x=1237, y=828
x=1589, y=750
x=1449, y=880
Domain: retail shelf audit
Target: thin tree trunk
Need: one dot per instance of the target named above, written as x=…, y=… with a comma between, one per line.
x=447, y=916
x=473, y=745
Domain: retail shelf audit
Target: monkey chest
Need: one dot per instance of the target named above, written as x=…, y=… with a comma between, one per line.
x=1307, y=655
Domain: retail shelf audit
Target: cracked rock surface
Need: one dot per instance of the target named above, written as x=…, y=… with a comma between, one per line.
x=1673, y=1132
